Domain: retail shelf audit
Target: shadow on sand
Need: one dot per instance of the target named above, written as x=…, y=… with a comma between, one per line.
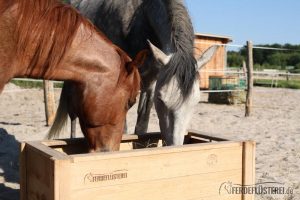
x=9, y=166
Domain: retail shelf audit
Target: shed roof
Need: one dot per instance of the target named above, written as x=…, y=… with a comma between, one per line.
x=224, y=39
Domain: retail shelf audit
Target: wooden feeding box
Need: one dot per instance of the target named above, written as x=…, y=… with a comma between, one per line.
x=202, y=169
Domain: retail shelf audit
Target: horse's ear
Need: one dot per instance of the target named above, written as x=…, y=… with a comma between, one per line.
x=206, y=56
x=140, y=58
x=159, y=55
x=138, y=61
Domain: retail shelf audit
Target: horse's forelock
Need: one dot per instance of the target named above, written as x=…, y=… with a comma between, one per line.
x=183, y=68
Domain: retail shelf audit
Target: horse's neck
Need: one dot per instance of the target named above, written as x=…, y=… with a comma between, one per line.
x=90, y=58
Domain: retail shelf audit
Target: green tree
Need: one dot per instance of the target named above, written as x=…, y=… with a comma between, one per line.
x=268, y=58
x=234, y=59
x=278, y=60
x=293, y=59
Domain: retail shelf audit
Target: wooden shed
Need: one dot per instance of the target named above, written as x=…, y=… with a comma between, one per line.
x=218, y=62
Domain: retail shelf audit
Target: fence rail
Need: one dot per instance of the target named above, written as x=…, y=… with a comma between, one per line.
x=245, y=73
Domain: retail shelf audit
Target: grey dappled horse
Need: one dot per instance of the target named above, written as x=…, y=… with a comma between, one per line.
x=169, y=75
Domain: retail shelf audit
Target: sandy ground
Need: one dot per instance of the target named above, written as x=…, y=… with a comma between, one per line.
x=275, y=126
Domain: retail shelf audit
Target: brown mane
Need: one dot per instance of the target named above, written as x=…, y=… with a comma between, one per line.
x=53, y=26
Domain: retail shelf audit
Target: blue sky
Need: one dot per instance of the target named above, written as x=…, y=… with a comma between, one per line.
x=262, y=21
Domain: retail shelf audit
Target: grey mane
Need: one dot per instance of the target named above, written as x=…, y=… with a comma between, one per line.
x=182, y=65
x=173, y=33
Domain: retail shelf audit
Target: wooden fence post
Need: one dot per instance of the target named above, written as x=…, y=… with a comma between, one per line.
x=244, y=68
x=249, y=100
x=287, y=75
x=49, y=102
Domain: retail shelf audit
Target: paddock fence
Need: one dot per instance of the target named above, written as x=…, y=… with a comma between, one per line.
x=245, y=76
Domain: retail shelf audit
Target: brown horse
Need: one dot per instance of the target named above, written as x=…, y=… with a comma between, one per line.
x=49, y=40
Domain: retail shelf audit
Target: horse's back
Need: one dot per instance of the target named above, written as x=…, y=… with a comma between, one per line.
x=112, y=17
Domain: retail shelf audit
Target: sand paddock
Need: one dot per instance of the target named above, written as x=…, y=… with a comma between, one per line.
x=274, y=125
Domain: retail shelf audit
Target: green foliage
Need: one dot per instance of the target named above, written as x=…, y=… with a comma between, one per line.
x=268, y=59
x=235, y=59
x=294, y=59
x=278, y=60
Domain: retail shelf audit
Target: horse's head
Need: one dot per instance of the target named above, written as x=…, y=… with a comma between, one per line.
x=132, y=79
x=108, y=111
x=173, y=110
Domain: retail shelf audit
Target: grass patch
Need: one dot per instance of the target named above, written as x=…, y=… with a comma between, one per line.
x=33, y=84
x=292, y=84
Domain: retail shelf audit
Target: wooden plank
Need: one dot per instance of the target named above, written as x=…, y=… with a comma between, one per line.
x=23, y=169
x=85, y=174
x=209, y=136
x=45, y=150
x=40, y=176
x=62, y=189
x=80, y=146
x=63, y=142
x=68, y=146
x=125, y=138
x=126, y=146
x=249, y=166
x=153, y=151
x=197, y=187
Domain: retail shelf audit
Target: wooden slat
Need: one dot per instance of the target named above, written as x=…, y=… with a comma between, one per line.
x=125, y=138
x=40, y=176
x=45, y=150
x=63, y=142
x=209, y=136
x=62, y=189
x=157, y=166
x=153, y=151
x=249, y=166
x=195, y=187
